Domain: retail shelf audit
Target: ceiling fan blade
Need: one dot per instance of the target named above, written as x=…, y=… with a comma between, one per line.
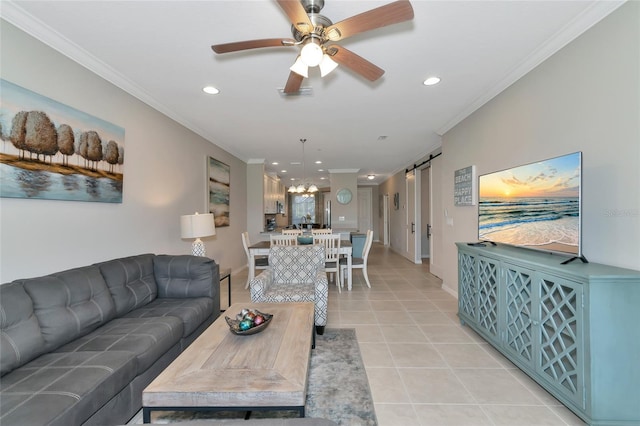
x=355, y=63
x=297, y=15
x=293, y=83
x=252, y=44
x=382, y=16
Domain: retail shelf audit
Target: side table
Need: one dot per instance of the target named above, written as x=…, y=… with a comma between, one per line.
x=226, y=273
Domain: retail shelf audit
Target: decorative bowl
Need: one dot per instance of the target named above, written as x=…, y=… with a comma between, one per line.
x=234, y=324
x=305, y=239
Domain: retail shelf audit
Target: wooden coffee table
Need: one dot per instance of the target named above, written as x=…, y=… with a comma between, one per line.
x=221, y=371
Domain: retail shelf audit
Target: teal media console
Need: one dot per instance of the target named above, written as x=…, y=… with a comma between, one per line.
x=574, y=328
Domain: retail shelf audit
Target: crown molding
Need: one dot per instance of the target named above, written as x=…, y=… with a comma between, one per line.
x=591, y=16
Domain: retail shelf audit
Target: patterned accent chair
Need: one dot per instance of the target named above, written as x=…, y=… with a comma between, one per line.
x=295, y=274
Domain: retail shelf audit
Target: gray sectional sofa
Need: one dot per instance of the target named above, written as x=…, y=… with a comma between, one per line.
x=79, y=346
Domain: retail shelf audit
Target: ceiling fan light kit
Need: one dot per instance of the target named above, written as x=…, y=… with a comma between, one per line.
x=317, y=35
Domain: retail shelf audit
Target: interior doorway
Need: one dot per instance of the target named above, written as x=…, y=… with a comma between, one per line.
x=425, y=212
x=385, y=220
x=364, y=209
x=411, y=214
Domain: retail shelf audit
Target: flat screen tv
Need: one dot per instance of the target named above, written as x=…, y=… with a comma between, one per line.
x=535, y=206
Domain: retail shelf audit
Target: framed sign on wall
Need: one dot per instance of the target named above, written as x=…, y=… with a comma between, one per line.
x=464, y=187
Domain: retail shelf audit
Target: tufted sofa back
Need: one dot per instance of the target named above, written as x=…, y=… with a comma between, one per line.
x=21, y=339
x=131, y=281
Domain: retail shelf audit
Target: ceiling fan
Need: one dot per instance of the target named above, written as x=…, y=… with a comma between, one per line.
x=317, y=36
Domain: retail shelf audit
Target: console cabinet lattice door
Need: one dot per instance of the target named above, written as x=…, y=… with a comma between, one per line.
x=487, y=275
x=561, y=360
x=478, y=293
x=467, y=293
x=519, y=302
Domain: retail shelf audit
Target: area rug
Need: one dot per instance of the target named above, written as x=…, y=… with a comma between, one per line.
x=338, y=388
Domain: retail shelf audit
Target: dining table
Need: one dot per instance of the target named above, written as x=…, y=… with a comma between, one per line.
x=262, y=248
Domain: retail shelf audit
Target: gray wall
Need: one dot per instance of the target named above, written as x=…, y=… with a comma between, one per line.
x=584, y=98
x=164, y=177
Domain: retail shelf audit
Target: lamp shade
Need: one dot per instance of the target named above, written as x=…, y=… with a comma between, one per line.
x=327, y=65
x=197, y=225
x=300, y=68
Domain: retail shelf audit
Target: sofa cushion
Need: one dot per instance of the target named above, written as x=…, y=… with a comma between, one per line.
x=63, y=388
x=185, y=276
x=192, y=312
x=69, y=304
x=20, y=337
x=147, y=338
x=130, y=281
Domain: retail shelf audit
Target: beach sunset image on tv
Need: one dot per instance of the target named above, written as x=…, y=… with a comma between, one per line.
x=535, y=205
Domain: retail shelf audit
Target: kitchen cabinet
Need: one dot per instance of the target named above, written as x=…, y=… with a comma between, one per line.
x=572, y=328
x=274, y=193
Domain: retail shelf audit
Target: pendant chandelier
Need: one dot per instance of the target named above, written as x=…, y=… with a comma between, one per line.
x=303, y=187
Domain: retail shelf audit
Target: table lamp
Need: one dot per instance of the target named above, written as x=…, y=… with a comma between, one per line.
x=196, y=226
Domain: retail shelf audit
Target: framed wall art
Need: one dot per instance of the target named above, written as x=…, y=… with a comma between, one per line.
x=52, y=151
x=218, y=190
x=464, y=187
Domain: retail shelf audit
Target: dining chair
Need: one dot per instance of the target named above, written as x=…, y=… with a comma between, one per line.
x=292, y=232
x=283, y=240
x=326, y=231
x=261, y=262
x=359, y=262
x=331, y=243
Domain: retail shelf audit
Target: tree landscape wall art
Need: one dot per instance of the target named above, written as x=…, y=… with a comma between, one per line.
x=55, y=152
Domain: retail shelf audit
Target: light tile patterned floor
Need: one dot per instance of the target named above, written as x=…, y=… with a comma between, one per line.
x=424, y=368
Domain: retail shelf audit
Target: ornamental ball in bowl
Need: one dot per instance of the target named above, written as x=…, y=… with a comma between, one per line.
x=249, y=321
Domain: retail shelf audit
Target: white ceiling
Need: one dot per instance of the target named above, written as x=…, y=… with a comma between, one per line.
x=159, y=51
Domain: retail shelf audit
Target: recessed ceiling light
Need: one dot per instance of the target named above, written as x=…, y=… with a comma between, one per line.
x=292, y=179
x=371, y=177
x=431, y=81
x=318, y=162
x=322, y=178
x=275, y=163
x=283, y=171
x=321, y=170
x=210, y=90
